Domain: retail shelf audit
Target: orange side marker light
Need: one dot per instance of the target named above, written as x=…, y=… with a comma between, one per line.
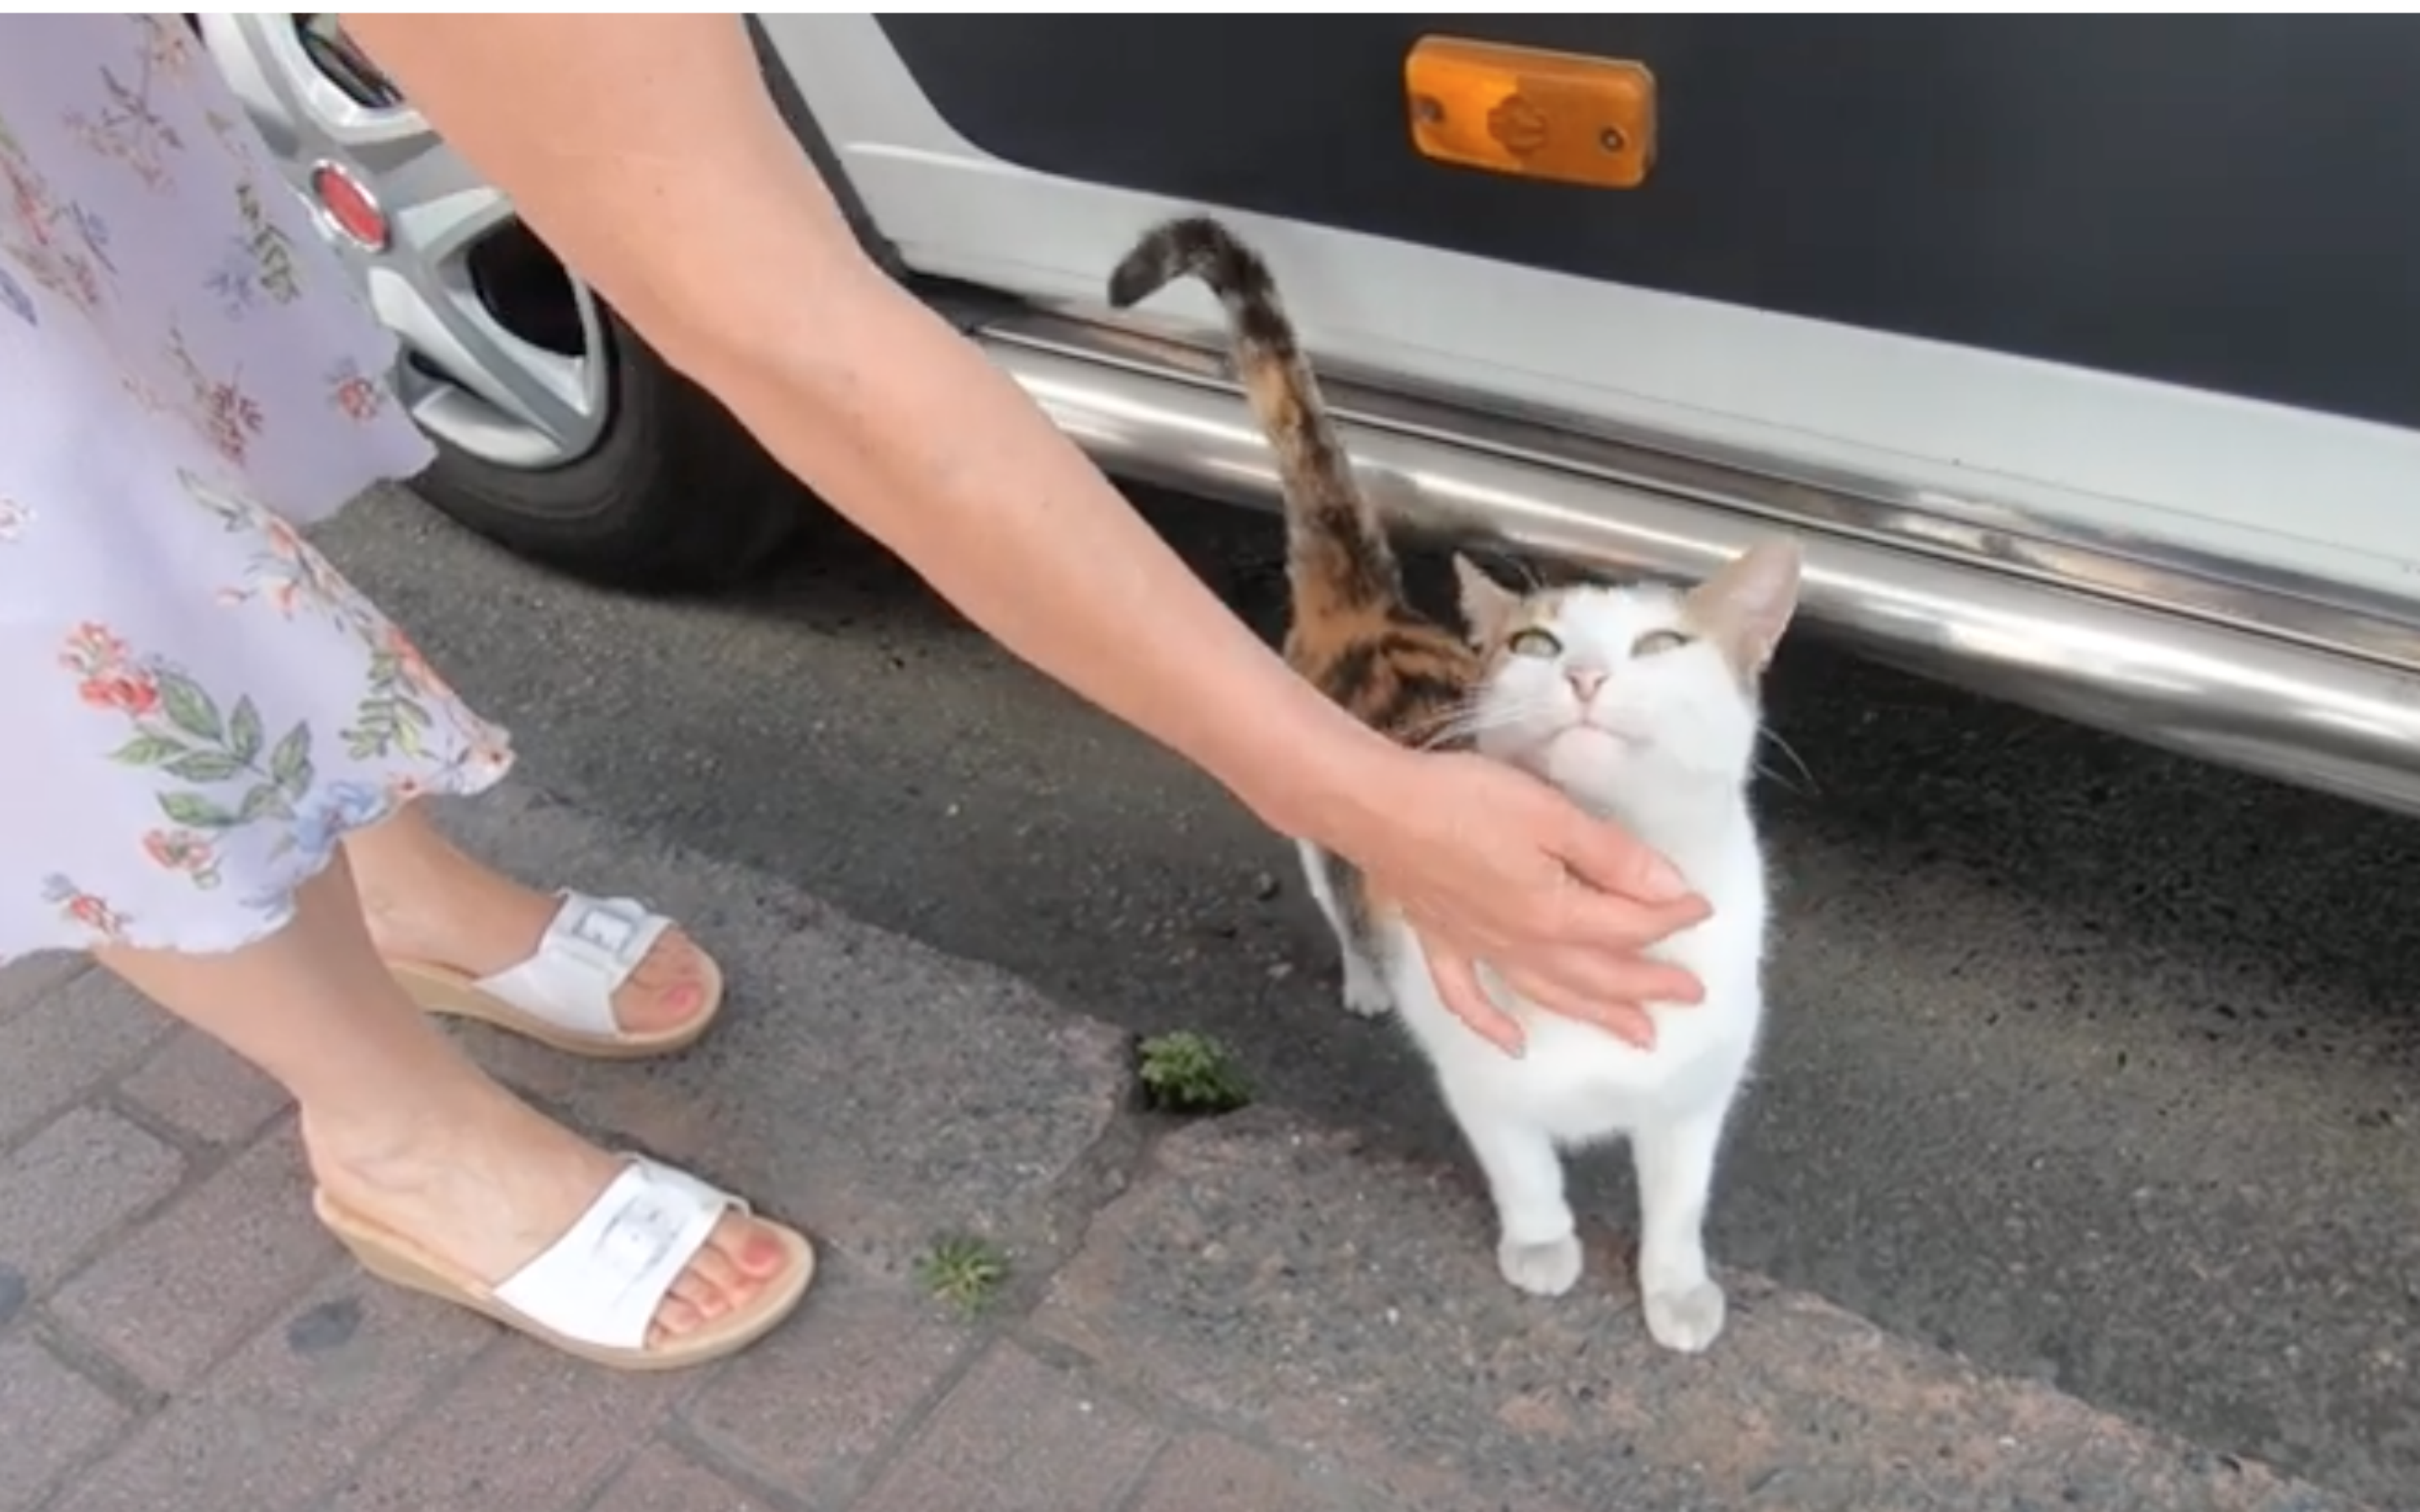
x=1531, y=114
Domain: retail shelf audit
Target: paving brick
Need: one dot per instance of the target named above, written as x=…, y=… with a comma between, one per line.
x=206, y=1090
x=74, y=1181
x=659, y=1480
x=1017, y=1435
x=297, y=1409
x=24, y=980
x=53, y=1418
x=62, y=1047
x=1208, y=1472
x=809, y=1097
x=527, y=1429
x=188, y=1283
x=806, y=1407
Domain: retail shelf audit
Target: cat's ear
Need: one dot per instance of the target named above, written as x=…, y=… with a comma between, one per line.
x=1745, y=607
x=1487, y=604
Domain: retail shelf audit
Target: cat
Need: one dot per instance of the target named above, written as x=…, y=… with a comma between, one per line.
x=1639, y=702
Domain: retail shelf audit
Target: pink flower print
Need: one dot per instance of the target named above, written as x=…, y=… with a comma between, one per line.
x=85, y=908
x=356, y=395
x=105, y=678
x=231, y=418
x=410, y=664
x=129, y=129
x=168, y=46
x=129, y=691
x=91, y=649
x=183, y=850
x=61, y=246
x=283, y=571
x=227, y=415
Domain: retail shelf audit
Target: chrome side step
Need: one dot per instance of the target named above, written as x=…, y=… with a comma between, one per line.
x=2293, y=685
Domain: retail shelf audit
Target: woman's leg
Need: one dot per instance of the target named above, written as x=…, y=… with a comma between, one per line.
x=426, y=900
x=399, y=1126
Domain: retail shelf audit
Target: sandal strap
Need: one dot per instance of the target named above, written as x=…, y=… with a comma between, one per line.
x=601, y=1282
x=589, y=950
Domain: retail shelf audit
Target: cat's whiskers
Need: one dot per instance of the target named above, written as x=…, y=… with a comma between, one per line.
x=1443, y=722
x=1796, y=759
x=1481, y=720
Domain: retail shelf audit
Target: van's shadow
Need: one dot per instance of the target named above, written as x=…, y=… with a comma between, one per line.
x=2121, y=840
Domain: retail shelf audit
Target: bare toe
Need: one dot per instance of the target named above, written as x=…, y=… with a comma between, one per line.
x=756, y=1250
x=695, y=1292
x=716, y=1282
x=667, y=990
x=718, y=1270
x=676, y=1318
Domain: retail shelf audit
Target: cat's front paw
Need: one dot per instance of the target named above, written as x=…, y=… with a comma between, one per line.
x=1545, y=1270
x=1366, y=994
x=1687, y=1320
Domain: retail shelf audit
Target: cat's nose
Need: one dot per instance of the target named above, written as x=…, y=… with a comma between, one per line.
x=1585, y=681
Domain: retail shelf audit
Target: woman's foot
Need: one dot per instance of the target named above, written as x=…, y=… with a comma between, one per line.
x=427, y=902
x=438, y=1177
x=486, y=1184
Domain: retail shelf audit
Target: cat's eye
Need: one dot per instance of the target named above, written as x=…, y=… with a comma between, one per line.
x=1534, y=643
x=1658, y=640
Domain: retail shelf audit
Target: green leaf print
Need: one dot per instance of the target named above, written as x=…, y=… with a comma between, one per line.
x=148, y=751
x=262, y=801
x=191, y=709
x=197, y=812
x=387, y=722
x=204, y=766
x=290, y=764
x=243, y=732
x=271, y=249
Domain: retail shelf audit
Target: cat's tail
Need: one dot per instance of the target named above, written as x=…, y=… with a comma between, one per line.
x=1338, y=560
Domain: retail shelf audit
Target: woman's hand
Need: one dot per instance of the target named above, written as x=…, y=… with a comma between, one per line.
x=1494, y=865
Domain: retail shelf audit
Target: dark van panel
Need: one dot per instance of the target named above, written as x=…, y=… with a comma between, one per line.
x=2226, y=203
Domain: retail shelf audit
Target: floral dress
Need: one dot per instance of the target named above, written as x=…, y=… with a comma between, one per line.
x=198, y=707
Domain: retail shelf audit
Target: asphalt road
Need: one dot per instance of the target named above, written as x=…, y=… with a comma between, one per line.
x=2088, y=1063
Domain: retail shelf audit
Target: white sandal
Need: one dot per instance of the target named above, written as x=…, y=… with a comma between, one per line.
x=594, y=1292
x=563, y=995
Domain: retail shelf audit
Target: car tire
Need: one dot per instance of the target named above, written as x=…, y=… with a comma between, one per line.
x=675, y=495
x=605, y=463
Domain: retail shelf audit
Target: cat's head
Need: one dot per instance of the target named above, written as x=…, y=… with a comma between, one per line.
x=1607, y=690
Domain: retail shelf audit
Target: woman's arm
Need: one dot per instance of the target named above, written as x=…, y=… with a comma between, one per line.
x=644, y=150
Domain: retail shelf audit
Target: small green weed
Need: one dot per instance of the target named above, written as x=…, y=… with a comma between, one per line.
x=1188, y=1072
x=964, y=1270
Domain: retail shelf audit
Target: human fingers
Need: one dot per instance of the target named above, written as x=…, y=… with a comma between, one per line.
x=1458, y=984
x=1620, y=1017
x=1584, y=974
x=1578, y=917
x=1612, y=861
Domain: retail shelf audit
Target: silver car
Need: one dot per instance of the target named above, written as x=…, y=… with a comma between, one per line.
x=2078, y=349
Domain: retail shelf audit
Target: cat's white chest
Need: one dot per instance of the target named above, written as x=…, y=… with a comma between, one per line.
x=1581, y=1083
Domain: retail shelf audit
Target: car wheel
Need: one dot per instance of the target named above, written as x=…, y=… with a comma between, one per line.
x=560, y=434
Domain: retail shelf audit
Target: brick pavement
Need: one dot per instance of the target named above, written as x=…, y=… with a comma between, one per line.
x=1245, y=1315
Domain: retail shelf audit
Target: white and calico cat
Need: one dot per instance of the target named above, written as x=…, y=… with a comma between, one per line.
x=1640, y=703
